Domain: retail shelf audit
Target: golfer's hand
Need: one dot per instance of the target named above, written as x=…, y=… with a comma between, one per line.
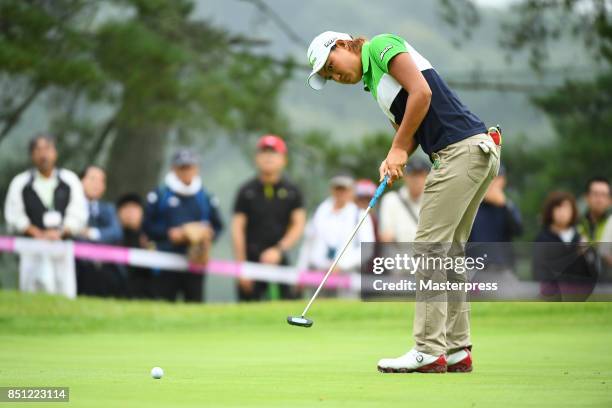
x=393, y=165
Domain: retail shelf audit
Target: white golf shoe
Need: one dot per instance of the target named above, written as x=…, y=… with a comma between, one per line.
x=413, y=361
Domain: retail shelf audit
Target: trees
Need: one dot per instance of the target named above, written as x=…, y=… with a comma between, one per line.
x=580, y=111
x=532, y=25
x=120, y=77
x=359, y=158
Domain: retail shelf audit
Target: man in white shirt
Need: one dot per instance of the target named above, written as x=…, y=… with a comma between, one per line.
x=399, y=210
x=46, y=203
x=327, y=231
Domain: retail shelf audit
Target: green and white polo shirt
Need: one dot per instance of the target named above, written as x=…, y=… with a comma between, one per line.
x=448, y=119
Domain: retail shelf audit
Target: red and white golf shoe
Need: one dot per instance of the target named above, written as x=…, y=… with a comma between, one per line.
x=460, y=361
x=413, y=362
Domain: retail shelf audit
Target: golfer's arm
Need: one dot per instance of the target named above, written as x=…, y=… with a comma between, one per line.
x=294, y=231
x=411, y=148
x=406, y=73
x=239, y=222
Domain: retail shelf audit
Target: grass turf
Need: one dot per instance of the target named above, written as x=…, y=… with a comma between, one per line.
x=526, y=354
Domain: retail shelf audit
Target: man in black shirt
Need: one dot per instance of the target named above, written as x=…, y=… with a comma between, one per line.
x=268, y=217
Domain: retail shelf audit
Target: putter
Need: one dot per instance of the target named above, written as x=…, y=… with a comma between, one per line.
x=302, y=321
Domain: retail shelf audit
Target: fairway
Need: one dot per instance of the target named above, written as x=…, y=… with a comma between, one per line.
x=526, y=355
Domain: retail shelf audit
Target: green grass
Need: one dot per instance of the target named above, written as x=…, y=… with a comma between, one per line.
x=526, y=355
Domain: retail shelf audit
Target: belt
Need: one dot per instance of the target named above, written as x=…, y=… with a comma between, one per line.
x=494, y=132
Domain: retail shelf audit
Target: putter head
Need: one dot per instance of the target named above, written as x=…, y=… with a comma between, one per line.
x=299, y=321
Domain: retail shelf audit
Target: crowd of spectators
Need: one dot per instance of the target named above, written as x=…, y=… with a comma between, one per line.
x=269, y=221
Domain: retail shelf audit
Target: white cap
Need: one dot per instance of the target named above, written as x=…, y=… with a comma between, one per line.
x=318, y=51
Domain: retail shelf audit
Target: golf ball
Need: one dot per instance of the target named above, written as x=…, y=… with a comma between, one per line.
x=157, y=373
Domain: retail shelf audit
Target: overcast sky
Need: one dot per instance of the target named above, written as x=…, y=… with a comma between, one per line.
x=494, y=2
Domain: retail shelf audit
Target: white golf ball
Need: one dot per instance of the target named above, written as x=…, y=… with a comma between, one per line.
x=157, y=372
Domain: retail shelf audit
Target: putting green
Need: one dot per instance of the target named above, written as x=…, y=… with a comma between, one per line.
x=526, y=354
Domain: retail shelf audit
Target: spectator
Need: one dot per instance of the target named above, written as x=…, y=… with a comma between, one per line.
x=130, y=212
x=96, y=278
x=268, y=218
x=605, y=249
x=595, y=219
x=364, y=191
x=332, y=223
x=399, y=211
x=497, y=220
x=559, y=261
x=48, y=203
x=182, y=217
x=597, y=214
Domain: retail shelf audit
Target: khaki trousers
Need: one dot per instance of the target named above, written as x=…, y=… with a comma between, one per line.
x=453, y=192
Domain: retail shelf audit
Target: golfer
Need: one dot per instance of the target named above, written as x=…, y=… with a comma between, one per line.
x=423, y=111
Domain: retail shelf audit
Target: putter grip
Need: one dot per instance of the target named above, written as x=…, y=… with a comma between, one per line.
x=379, y=191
